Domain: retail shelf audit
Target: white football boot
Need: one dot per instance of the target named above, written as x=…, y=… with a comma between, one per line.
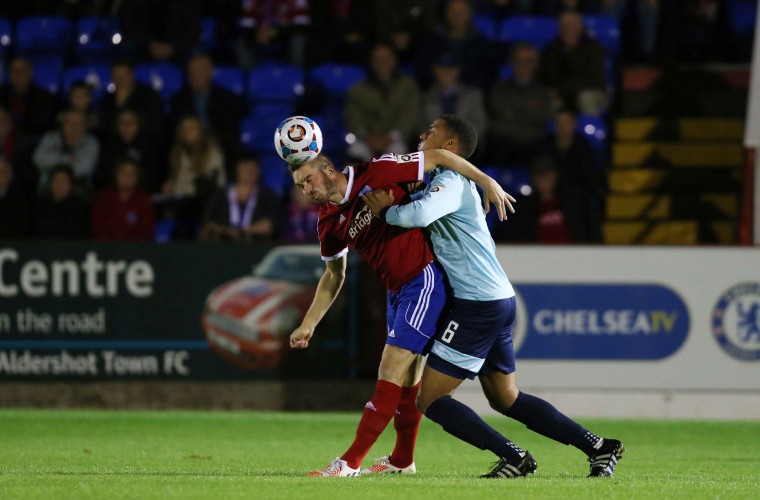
x=337, y=468
x=384, y=466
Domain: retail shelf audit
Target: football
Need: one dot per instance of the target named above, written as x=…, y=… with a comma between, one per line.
x=298, y=139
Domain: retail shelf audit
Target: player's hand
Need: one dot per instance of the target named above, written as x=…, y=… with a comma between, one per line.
x=299, y=339
x=500, y=199
x=378, y=199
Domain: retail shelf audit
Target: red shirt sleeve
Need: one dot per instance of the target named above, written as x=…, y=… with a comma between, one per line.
x=390, y=168
x=331, y=248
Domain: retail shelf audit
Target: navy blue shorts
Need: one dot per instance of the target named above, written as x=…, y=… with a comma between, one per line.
x=414, y=311
x=475, y=339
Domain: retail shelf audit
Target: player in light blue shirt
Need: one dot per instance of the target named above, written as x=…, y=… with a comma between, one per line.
x=476, y=336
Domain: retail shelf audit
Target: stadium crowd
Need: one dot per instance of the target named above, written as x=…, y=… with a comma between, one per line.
x=132, y=157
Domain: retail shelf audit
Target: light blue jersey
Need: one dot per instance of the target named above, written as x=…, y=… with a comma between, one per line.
x=450, y=208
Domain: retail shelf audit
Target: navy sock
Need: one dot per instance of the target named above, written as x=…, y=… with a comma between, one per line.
x=461, y=422
x=541, y=417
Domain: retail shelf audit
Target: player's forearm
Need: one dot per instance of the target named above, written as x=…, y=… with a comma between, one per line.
x=327, y=290
x=419, y=213
x=448, y=160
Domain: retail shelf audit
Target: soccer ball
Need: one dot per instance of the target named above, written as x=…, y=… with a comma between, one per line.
x=298, y=139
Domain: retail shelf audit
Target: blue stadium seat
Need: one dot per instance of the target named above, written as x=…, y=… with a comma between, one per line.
x=207, y=37
x=336, y=79
x=742, y=16
x=48, y=78
x=97, y=76
x=164, y=78
x=6, y=35
x=333, y=131
x=43, y=34
x=275, y=83
x=506, y=72
x=163, y=230
x=231, y=78
x=606, y=31
x=486, y=25
x=274, y=173
x=52, y=62
x=96, y=39
x=257, y=130
x=514, y=179
x=595, y=130
x=537, y=31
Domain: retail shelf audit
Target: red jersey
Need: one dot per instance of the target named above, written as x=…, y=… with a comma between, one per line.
x=396, y=254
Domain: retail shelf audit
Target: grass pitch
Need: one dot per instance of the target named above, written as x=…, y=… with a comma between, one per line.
x=106, y=454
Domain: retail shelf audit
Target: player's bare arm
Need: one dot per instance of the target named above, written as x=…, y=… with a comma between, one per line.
x=329, y=285
x=378, y=199
x=494, y=193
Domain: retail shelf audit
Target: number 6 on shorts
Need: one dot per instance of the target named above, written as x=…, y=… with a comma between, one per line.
x=450, y=331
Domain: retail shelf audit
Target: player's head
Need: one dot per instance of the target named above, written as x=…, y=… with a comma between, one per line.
x=450, y=132
x=318, y=179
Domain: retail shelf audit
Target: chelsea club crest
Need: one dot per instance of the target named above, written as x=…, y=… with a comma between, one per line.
x=736, y=321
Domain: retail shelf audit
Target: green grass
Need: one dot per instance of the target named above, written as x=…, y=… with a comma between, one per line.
x=105, y=454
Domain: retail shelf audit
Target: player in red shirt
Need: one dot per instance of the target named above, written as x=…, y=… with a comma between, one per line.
x=404, y=261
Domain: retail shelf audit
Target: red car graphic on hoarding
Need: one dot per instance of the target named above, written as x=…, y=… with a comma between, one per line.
x=248, y=320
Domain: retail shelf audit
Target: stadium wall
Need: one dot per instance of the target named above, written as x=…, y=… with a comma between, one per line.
x=602, y=331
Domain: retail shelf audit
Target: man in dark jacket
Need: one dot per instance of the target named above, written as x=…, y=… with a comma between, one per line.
x=220, y=110
x=573, y=67
x=30, y=105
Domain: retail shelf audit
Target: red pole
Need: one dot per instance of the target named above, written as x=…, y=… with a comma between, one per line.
x=746, y=218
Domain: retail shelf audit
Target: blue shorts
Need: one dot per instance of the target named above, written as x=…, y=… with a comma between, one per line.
x=414, y=311
x=475, y=339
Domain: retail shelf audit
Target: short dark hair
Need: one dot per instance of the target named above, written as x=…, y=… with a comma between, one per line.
x=464, y=131
x=321, y=162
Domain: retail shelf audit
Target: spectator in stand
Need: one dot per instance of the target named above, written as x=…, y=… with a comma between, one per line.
x=165, y=31
x=129, y=93
x=303, y=216
x=449, y=96
x=458, y=36
x=543, y=215
x=402, y=23
x=131, y=141
x=80, y=98
x=381, y=111
x=29, y=104
x=196, y=170
x=520, y=108
x=581, y=182
x=71, y=145
x=123, y=212
x=14, y=209
x=273, y=30
x=340, y=32
x=243, y=211
x=573, y=67
x=647, y=21
x=60, y=213
x=219, y=110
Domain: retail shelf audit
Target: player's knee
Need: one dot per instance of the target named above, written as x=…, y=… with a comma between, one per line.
x=422, y=403
x=503, y=401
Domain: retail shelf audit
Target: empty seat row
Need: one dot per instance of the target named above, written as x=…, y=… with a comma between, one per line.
x=267, y=83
